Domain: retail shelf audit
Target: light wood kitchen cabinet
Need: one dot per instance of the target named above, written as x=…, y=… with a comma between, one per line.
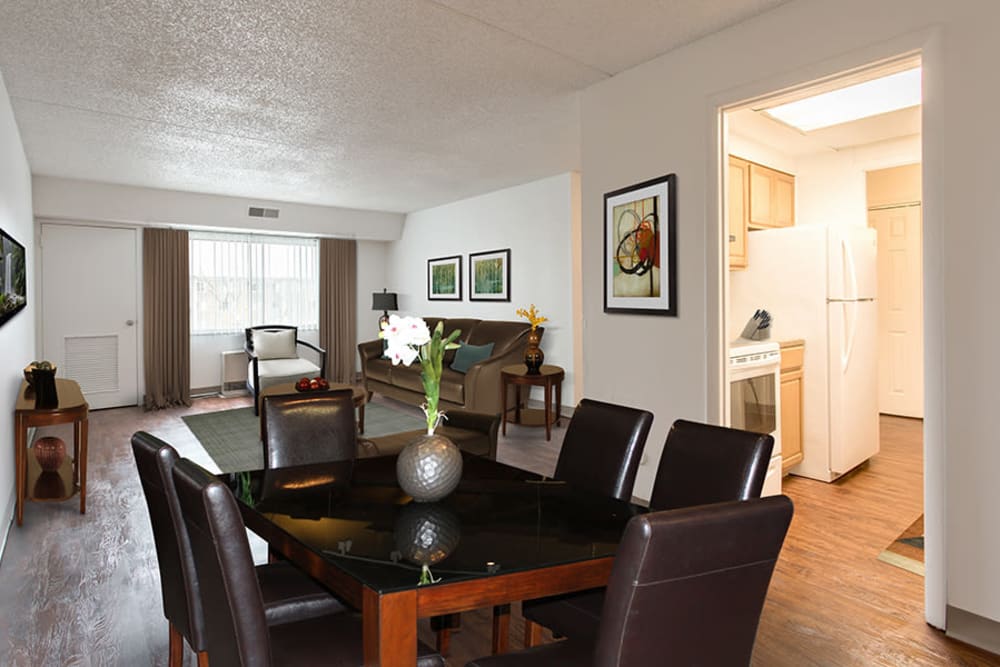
x=739, y=211
x=772, y=198
x=792, y=354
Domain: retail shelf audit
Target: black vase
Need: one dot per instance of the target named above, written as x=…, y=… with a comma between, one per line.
x=45, y=388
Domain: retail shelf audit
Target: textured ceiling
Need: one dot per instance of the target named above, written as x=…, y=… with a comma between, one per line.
x=393, y=105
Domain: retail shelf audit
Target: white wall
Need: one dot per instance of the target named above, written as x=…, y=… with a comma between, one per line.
x=533, y=220
x=86, y=201
x=763, y=153
x=372, y=260
x=17, y=336
x=830, y=187
x=669, y=124
x=68, y=199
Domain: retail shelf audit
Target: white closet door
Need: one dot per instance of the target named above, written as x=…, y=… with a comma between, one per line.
x=90, y=309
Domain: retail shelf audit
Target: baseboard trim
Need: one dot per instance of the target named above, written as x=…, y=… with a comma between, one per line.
x=973, y=629
x=7, y=522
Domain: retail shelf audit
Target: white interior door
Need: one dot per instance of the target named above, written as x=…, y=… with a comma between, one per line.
x=90, y=309
x=900, y=297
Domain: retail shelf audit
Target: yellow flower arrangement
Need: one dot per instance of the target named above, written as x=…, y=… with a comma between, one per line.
x=531, y=314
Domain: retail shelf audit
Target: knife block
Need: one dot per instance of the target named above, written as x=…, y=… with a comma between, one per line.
x=751, y=332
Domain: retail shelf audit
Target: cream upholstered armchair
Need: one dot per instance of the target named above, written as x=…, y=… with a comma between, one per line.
x=273, y=354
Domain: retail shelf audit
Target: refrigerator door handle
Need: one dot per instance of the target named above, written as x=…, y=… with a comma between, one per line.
x=850, y=332
x=850, y=269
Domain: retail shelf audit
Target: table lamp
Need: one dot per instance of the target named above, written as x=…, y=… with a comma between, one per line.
x=384, y=301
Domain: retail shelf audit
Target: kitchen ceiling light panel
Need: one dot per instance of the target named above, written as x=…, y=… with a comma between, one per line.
x=878, y=96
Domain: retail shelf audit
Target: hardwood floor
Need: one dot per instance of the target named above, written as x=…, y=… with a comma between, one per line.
x=84, y=590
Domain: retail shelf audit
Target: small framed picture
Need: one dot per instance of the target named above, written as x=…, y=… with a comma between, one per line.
x=640, y=248
x=489, y=275
x=444, y=279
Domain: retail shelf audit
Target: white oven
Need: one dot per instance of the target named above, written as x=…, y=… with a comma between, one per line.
x=755, y=398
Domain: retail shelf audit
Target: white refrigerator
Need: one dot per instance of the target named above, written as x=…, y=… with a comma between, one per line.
x=819, y=284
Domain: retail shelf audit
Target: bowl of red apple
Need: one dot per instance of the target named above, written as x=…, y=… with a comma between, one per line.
x=312, y=384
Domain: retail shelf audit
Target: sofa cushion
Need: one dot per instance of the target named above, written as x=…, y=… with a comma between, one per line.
x=452, y=386
x=466, y=326
x=408, y=377
x=502, y=333
x=277, y=371
x=274, y=344
x=379, y=369
x=467, y=355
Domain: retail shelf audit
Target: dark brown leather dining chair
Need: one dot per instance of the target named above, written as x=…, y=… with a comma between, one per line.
x=236, y=628
x=601, y=452
x=687, y=588
x=288, y=595
x=308, y=428
x=703, y=464
x=700, y=464
x=602, y=448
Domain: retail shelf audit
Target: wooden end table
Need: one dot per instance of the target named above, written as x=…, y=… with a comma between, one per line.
x=546, y=377
x=358, y=393
x=72, y=407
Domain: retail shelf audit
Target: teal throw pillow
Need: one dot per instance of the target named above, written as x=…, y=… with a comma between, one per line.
x=466, y=355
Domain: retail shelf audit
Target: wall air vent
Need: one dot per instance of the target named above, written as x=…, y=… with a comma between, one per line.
x=257, y=212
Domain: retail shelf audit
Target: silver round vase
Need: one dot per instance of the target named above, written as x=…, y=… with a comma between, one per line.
x=429, y=468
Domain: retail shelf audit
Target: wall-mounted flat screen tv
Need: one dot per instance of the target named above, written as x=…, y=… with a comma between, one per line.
x=13, y=276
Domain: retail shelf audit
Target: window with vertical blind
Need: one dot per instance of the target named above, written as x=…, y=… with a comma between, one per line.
x=242, y=280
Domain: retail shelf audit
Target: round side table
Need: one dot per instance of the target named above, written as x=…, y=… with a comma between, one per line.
x=547, y=377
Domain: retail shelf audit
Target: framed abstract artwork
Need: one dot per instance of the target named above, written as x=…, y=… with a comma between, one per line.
x=444, y=279
x=13, y=277
x=489, y=275
x=640, y=248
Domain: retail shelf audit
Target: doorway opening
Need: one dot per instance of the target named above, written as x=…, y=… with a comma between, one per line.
x=823, y=219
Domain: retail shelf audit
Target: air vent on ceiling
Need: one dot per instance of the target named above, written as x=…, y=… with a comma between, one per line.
x=256, y=212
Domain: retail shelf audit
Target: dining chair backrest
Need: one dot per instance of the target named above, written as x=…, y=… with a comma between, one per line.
x=155, y=460
x=688, y=586
x=703, y=464
x=236, y=631
x=309, y=428
x=602, y=448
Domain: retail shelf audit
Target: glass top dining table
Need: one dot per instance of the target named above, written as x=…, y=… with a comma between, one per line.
x=503, y=535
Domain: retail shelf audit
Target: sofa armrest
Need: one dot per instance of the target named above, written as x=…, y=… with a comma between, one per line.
x=371, y=349
x=482, y=381
x=488, y=424
x=319, y=351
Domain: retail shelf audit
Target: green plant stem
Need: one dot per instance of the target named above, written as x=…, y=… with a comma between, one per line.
x=431, y=359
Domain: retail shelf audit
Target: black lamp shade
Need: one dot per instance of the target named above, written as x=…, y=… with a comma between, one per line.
x=384, y=301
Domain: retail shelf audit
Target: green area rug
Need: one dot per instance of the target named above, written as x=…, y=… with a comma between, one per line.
x=232, y=437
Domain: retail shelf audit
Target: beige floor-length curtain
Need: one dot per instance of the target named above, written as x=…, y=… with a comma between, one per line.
x=167, y=316
x=338, y=306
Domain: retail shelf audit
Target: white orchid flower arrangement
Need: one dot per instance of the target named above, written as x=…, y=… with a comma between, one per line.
x=408, y=338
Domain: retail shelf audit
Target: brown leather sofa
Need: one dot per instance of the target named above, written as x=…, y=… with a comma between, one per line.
x=477, y=390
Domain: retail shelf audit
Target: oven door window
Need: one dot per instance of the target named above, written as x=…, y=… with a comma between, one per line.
x=754, y=403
